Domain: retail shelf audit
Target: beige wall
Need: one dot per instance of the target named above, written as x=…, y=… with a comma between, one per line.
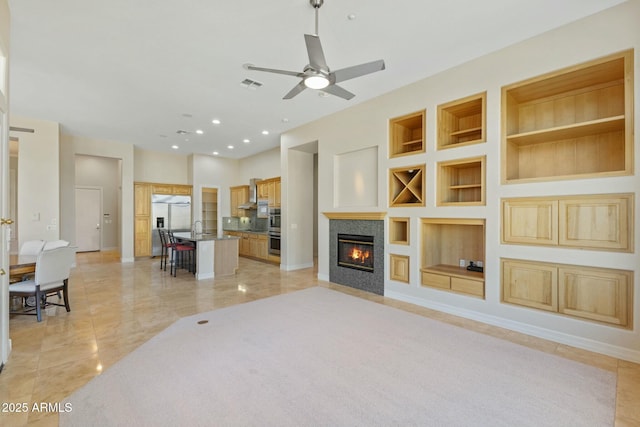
x=153, y=166
x=38, y=180
x=72, y=146
x=262, y=165
x=361, y=126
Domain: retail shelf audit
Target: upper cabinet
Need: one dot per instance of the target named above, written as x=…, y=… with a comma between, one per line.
x=407, y=134
x=269, y=189
x=462, y=122
x=173, y=189
x=572, y=123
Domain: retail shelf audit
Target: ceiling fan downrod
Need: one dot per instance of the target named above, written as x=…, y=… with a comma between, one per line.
x=316, y=5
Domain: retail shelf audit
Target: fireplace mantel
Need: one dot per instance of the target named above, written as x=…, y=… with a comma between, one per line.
x=363, y=216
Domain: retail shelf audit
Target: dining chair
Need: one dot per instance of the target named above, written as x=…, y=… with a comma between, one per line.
x=179, y=252
x=31, y=247
x=53, y=244
x=52, y=276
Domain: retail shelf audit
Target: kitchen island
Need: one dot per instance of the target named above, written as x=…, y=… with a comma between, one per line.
x=215, y=256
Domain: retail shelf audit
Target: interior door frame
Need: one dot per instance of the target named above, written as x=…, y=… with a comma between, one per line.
x=90, y=187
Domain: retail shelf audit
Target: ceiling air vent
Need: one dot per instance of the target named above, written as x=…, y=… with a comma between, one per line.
x=182, y=132
x=250, y=84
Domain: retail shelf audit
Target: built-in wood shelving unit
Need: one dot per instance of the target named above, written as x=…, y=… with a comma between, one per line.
x=462, y=122
x=572, y=123
x=407, y=134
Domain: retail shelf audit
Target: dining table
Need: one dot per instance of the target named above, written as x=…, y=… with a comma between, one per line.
x=19, y=265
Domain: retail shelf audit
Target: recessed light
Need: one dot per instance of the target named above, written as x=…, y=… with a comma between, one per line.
x=265, y=132
x=285, y=120
x=187, y=115
x=215, y=121
x=246, y=141
x=351, y=16
x=215, y=153
x=163, y=136
x=230, y=147
x=175, y=147
x=199, y=131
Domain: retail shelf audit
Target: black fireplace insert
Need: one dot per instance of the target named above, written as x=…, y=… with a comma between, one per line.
x=355, y=251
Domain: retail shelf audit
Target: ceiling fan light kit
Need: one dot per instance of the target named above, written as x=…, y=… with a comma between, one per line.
x=317, y=75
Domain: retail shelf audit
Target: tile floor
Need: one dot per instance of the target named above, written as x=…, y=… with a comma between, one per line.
x=116, y=307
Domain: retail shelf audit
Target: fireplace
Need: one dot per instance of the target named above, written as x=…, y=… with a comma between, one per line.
x=355, y=251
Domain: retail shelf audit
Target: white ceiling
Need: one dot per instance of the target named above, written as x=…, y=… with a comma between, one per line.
x=137, y=71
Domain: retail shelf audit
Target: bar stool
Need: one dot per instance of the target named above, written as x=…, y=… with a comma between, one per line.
x=165, y=245
x=178, y=253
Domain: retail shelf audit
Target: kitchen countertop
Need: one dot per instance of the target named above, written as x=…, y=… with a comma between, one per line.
x=201, y=237
x=246, y=231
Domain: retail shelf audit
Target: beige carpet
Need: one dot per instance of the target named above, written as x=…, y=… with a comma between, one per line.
x=318, y=357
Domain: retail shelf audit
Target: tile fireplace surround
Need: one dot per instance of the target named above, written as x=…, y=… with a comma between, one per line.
x=362, y=223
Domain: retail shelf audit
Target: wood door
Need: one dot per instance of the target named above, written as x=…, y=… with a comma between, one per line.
x=88, y=219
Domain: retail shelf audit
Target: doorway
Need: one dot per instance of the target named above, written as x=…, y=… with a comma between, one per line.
x=88, y=218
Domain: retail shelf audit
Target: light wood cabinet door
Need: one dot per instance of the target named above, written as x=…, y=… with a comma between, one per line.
x=530, y=221
x=399, y=267
x=530, y=284
x=436, y=280
x=262, y=189
x=142, y=236
x=276, y=194
x=597, y=222
x=182, y=190
x=468, y=286
x=162, y=189
x=263, y=247
x=597, y=294
x=142, y=196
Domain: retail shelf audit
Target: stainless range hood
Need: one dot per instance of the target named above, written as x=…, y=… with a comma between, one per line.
x=253, y=195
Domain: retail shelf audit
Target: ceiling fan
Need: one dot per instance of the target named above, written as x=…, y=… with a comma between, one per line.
x=317, y=75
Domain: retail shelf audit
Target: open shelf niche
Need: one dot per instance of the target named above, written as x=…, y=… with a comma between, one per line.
x=210, y=210
x=572, y=123
x=399, y=230
x=406, y=186
x=462, y=122
x=461, y=182
x=448, y=247
x=407, y=134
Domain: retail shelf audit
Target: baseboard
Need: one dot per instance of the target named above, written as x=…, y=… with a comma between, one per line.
x=295, y=267
x=548, y=334
x=324, y=277
x=125, y=260
x=202, y=276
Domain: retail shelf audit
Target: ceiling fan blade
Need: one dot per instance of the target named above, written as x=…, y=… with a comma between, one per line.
x=272, y=70
x=358, y=70
x=338, y=91
x=296, y=90
x=316, y=55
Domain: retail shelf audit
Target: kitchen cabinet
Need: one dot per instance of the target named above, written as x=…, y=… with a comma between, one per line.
x=239, y=196
x=598, y=294
x=173, y=189
x=252, y=245
x=142, y=219
x=142, y=224
x=269, y=189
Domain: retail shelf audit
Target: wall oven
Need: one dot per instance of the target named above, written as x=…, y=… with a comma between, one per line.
x=274, y=220
x=274, y=243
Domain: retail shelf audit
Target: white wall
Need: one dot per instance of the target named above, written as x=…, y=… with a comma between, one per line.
x=361, y=126
x=38, y=180
x=5, y=25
